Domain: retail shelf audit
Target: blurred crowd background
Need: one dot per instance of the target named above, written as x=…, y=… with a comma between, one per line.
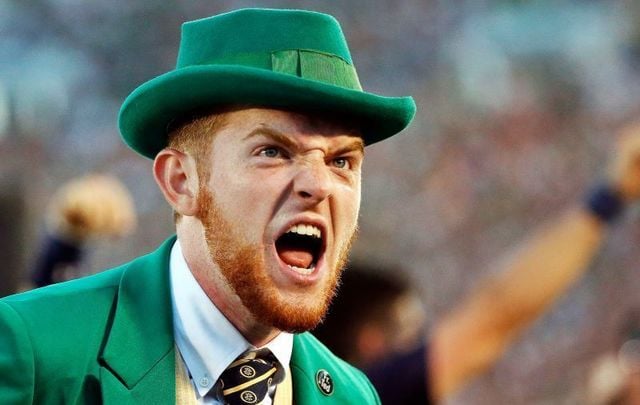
x=518, y=106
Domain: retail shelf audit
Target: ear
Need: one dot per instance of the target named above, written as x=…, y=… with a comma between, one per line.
x=176, y=175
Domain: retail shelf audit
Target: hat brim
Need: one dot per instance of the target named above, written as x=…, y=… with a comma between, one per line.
x=149, y=110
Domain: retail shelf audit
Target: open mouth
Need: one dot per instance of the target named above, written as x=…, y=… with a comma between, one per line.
x=300, y=247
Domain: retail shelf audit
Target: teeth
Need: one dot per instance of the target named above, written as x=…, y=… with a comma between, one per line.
x=308, y=230
x=302, y=271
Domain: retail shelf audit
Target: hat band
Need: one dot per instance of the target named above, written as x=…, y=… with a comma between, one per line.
x=306, y=64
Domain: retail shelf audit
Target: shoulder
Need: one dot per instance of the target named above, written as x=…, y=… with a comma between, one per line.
x=54, y=331
x=52, y=337
x=327, y=374
x=61, y=316
x=66, y=316
x=51, y=299
x=83, y=297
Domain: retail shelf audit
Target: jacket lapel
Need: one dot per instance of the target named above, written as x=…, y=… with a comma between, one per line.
x=303, y=373
x=321, y=378
x=138, y=363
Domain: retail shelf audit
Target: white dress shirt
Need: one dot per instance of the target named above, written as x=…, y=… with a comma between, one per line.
x=207, y=341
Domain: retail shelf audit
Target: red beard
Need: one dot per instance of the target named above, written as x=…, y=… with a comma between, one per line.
x=243, y=266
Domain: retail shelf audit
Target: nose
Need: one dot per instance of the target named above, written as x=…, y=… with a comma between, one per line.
x=313, y=182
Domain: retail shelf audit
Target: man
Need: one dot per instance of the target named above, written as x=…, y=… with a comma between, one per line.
x=257, y=139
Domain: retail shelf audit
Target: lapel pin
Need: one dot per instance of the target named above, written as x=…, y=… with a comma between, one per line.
x=324, y=382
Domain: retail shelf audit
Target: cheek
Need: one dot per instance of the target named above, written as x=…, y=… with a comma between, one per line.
x=356, y=201
x=354, y=207
x=246, y=198
x=355, y=195
x=349, y=208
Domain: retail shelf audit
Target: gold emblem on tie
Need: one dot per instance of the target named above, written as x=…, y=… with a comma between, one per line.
x=249, y=379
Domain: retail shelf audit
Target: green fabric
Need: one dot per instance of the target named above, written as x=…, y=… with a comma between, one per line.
x=350, y=386
x=306, y=64
x=291, y=59
x=108, y=339
x=258, y=31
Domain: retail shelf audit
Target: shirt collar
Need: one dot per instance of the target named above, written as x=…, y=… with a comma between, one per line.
x=207, y=341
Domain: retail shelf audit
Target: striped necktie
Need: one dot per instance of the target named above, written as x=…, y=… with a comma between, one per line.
x=250, y=378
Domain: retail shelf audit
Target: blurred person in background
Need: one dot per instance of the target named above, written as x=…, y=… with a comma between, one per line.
x=376, y=319
x=614, y=378
x=85, y=208
x=258, y=140
x=377, y=313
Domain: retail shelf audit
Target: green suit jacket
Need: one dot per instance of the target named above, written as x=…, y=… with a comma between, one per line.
x=108, y=339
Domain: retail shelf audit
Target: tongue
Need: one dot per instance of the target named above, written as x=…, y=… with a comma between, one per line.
x=296, y=257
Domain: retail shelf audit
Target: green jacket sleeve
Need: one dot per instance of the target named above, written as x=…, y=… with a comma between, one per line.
x=16, y=359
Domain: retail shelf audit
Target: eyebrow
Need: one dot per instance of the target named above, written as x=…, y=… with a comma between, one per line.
x=357, y=145
x=354, y=145
x=270, y=133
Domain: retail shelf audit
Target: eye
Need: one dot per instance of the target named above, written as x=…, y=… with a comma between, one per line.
x=341, y=163
x=271, y=152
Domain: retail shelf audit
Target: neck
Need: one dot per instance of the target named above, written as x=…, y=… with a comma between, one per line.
x=219, y=292
x=256, y=333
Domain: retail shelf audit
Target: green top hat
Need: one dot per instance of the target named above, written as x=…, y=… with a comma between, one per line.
x=289, y=59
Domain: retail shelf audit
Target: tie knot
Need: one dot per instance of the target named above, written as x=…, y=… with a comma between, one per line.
x=250, y=377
